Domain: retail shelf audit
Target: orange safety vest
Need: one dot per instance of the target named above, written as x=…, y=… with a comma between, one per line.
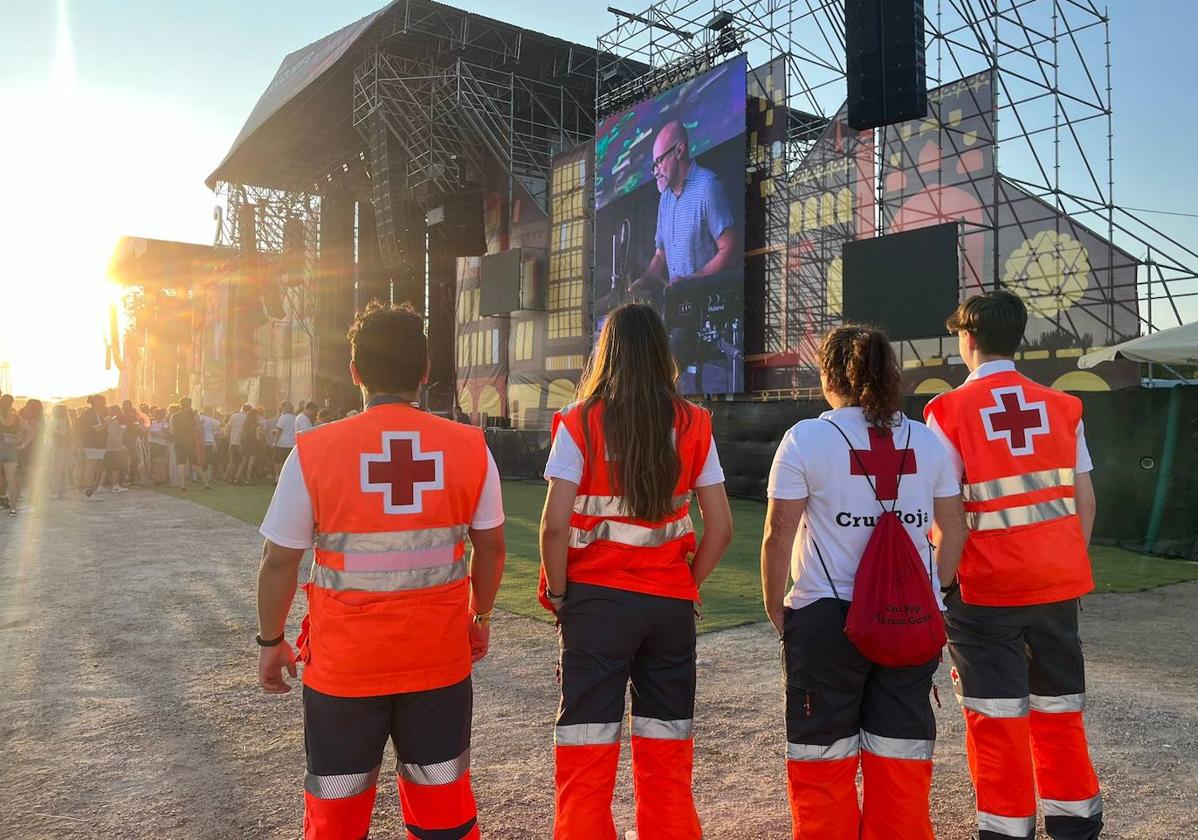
x=609, y=548
x=1018, y=441
x=393, y=491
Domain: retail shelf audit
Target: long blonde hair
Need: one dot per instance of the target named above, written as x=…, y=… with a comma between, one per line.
x=633, y=375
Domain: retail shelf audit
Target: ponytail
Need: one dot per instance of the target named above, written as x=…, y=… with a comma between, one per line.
x=859, y=364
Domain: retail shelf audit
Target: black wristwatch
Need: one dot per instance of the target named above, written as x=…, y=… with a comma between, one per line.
x=269, y=642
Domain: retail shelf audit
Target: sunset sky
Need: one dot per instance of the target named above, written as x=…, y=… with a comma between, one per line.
x=113, y=113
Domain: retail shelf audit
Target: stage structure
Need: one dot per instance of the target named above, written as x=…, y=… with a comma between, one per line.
x=387, y=142
x=384, y=160
x=1015, y=147
x=160, y=352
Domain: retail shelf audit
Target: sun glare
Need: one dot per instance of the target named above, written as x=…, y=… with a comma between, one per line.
x=85, y=166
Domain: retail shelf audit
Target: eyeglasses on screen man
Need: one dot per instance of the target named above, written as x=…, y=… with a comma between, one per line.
x=657, y=161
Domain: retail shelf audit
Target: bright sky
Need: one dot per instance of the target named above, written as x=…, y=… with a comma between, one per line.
x=113, y=113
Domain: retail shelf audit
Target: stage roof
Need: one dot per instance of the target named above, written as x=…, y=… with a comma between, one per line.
x=302, y=123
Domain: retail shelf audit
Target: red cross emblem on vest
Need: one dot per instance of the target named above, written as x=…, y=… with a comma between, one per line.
x=883, y=463
x=402, y=472
x=1014, y=420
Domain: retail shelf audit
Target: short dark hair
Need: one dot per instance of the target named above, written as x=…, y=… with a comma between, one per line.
x=388, y=348
x=185, y=403
x=996, y=320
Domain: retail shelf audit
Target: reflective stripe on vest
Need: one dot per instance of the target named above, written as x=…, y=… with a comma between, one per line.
x=379, y=541
x=994, y=520
x=1014, y=485
x=391, y=561
x=629, y=534
x=388, y=581
x=614, y=505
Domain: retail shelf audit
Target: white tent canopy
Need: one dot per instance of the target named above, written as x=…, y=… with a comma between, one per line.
x=1176, y=346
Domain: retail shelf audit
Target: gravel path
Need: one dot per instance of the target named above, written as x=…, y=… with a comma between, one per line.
x=129, y=706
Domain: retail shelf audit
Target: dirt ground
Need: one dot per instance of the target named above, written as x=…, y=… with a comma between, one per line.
x=129, y=706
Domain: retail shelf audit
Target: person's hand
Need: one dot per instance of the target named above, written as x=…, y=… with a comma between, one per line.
x=271, y=662
x=646, y=285
x=777, y=618
x=480, y=640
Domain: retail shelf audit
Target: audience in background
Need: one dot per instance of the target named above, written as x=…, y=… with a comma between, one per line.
x=283, y=439
x=43, y=455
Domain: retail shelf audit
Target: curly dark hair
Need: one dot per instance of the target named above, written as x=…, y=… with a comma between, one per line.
x=859, y=364
x=388, y=348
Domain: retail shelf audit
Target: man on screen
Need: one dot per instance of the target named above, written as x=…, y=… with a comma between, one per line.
x=696, y=232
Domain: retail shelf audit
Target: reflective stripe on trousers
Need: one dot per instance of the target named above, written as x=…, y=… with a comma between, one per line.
x=1020, y=827
x=666, y=730
x=441, y=773
x=908, y=749
x=1085, y=808
x=341, y=786
x=996, y=707
x=844, y=748
x=1062, y=704
x=586, y=734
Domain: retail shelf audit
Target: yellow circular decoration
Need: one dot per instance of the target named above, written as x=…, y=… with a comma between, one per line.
x=1081, y=380
x=561, y=392
x=932, y=386
x=466, y=400
x=1050, y=272
x=488, y=402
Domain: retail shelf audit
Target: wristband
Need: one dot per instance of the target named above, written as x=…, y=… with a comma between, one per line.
x=269, y=642
x=482, y=619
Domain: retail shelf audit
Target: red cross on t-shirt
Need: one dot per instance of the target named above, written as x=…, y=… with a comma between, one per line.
x=401, y=472
x=883, y=463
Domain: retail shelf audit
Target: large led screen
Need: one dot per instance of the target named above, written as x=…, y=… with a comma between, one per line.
x=669, y=221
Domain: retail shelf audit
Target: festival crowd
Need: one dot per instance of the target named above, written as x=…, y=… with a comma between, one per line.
x=116, y=447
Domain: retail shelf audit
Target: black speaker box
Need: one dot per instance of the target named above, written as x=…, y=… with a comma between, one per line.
x=884, y=62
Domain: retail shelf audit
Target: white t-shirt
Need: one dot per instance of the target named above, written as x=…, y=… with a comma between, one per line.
x=286, y=427
x=209, y=426
x=236, y=424
x=813, y=462
x=1084, y=462
x=289, y=521
x=566, y=462
x=302, y=423
x=159, y=432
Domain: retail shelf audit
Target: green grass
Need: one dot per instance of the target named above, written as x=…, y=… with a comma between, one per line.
x=731, y=596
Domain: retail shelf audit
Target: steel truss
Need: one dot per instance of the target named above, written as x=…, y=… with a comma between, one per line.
x=444, y=95
x=293, y=337
x=1050, y=61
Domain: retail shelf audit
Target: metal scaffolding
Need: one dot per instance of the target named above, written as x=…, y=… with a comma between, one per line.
x=443, y=96
x=279, y=215
x=1051, y=70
